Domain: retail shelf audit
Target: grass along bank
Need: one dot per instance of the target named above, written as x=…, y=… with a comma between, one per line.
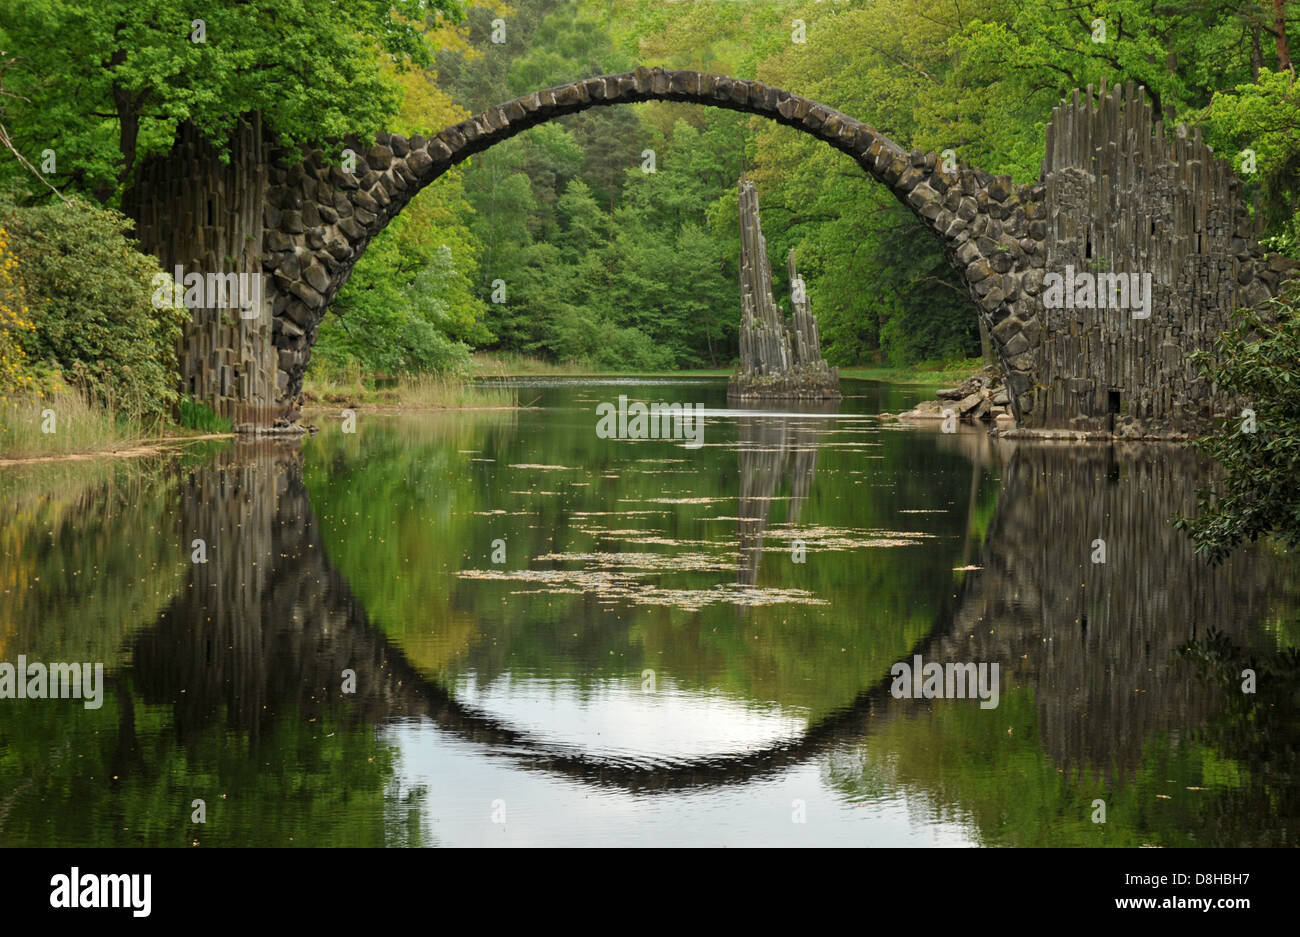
x=509, y=364
x=925, y=373
x=61, y=423
x=407, y=392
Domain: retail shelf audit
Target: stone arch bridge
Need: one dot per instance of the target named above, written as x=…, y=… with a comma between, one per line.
x=1114, y=196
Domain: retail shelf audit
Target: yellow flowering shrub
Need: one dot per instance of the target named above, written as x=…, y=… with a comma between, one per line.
x=14, y=319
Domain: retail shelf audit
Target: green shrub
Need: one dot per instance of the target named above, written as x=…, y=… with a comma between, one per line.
x=430, y=351
x=631, y=349
x=90, y=292
x=1257, y=496
x=197, y=415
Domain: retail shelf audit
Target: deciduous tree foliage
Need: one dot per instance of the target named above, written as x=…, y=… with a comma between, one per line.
x=92, y=89
x=1259, y=449
x=104, y=84
x=410, y=305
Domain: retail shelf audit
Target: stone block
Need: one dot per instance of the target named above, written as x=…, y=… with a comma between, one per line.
x=299, y=313
x=379, y=157
x=978, y=271
x=290, y=268
x=993, y=300
x=1000, y=188
x=908, y=181
x=1005, y=329
x=351, y=230
x=364, y=200
x=317, y=277
x=338, y=248
x=342, y=179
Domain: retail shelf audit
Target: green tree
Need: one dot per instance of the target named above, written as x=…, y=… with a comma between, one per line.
x=1260, y=451
x=411, y=304
x=140, y=68
x=1264, y=117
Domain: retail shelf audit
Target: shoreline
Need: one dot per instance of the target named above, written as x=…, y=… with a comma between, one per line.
x=318, y=410
x=902, y=377
x=1069, y=436
x=135, y=450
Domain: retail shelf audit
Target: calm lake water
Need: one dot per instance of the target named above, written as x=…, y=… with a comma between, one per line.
x=498, y=628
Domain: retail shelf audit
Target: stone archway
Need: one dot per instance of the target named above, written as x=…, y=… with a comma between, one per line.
x=320, y=218
x=1115, y=196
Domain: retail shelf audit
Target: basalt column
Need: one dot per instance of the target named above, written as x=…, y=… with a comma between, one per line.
x=1126, y=202
x=803, y=332
x=779, y=358
x=204, y=216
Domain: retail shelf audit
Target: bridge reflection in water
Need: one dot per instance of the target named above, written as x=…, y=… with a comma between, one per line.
x=271, y=628
x=1098, y=642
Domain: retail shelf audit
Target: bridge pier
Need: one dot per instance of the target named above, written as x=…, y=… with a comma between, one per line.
x=206, y=217
x=1124, y=200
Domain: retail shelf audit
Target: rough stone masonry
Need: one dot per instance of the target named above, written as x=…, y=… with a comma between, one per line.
x=1114, y=194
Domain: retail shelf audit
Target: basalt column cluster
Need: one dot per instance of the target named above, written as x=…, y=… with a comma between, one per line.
x=201, y=213
x=780, y=358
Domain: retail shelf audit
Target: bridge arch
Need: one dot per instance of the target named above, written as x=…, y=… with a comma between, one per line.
x=1115, y=195
x=320, y=218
